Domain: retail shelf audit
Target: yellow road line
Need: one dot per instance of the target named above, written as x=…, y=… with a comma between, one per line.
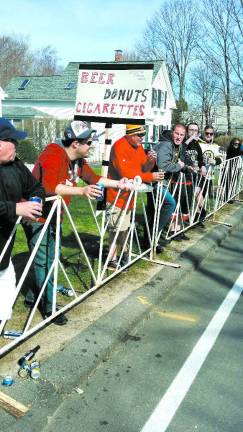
x=178, y=317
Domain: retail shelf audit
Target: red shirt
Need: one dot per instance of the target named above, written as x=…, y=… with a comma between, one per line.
x=126, y=161
x=54, y=167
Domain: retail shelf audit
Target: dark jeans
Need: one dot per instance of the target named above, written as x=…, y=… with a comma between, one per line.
x=168, y=207
x=42, y=263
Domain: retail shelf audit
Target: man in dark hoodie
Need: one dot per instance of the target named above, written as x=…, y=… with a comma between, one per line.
x=59, y=167
x=169, y=156
x=192, y=156
x=17, y=186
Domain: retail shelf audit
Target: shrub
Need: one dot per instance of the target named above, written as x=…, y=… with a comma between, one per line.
x=26, y=151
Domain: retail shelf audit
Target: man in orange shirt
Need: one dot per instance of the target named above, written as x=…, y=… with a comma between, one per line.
x=128, y=159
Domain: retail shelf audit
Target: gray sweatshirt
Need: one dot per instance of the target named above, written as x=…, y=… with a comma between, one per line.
x=166, y=156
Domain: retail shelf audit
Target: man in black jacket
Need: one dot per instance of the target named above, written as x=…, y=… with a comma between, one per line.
x=16, y=183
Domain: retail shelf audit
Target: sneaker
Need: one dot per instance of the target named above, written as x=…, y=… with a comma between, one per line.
x=159, y=249
x=59, y=320
x=184, y=236
x=181, y=236
x=113, y=265
x=29, y=304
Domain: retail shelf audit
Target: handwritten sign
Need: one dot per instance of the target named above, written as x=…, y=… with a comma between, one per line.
x=119, y=93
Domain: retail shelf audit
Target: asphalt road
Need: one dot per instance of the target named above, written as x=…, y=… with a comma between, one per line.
x=168, y=358
x=123, y=392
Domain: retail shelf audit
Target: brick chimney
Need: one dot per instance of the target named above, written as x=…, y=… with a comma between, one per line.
x=118, y=55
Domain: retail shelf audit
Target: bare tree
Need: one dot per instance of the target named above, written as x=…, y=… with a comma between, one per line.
x=16, y=58
x=172, y=35
x=236, y=36
x=218, y=45
x=205, y=88
x=45, y=61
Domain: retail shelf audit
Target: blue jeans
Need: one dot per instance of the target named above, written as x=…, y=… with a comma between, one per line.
x=42, y=263
x=168, y=207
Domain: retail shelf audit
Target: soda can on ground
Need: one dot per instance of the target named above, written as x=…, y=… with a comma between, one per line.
x=65, y=291
x=34, y=369
x=7, y=381
x=12, y=334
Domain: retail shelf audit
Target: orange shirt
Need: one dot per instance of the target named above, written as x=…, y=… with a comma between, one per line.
x=126, y=161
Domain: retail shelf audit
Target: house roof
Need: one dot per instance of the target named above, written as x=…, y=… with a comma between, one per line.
x=17, y=112
x=44, y=88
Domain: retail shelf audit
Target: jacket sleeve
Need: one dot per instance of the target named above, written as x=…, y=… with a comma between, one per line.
x=31, y=187
x=164, y=158
x=125, y=165
x=8, y=211
x=200, y=156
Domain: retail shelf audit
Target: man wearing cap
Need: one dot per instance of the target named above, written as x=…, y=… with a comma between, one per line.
x=59, y=167
x=16, y=183
x=128, y=159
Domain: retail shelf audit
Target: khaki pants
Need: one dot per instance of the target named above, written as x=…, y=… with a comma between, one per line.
x=7, y=291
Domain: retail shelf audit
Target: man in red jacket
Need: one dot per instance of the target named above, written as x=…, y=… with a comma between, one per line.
x=128, y=159
x=59, y=168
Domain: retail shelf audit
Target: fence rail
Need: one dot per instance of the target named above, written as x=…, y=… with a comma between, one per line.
x=85, y=268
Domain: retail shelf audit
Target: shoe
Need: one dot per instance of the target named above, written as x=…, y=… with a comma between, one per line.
x=59, y=320
x=184, y=237
x=181, y=237
x=202, y=215
x=113, y=265
x=200, y=224
x=29, y=304
x=164, y=242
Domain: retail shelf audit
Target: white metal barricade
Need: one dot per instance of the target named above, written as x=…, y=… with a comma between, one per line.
x=210, y=193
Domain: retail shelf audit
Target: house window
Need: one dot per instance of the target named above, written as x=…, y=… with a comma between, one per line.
x=165, y=99
x=154, y=98
x=70, y=85
x=24, y=84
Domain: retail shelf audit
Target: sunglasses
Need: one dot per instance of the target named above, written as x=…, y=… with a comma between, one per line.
x=11, y=140
x=89, y=143
x=236, y=143
x=209, y=133
x=140, y=135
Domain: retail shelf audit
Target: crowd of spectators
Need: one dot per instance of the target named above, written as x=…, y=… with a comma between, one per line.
x=177, y=159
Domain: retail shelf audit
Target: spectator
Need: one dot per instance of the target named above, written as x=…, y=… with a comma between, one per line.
x=210, y=161
x=233, y=171
x=169, y=159
x=60, y=167
x=209, y=137
x=127, y=159
x=193, y=158
x=16, y=183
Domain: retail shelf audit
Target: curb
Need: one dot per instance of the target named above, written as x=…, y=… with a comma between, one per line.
x=71, y=366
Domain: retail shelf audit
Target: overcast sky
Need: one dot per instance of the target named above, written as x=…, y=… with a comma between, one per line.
x=80, y=30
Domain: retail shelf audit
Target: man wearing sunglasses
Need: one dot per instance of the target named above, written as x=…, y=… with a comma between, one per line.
x=16, y=183
x=59, y=167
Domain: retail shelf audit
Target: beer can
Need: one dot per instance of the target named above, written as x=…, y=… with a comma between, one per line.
x=36, y=199
x=35, y=369
x=12, y=334
x=23, y=372
x=101, y=187
x=7, y=381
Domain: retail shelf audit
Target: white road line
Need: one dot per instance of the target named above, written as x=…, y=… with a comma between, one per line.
x=168, y=405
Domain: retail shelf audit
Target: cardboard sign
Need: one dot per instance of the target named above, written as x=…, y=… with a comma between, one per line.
x=117, y=93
